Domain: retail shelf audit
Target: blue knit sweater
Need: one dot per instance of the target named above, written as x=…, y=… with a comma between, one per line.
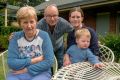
x=21, y=51
x=60, y=29
x=93, y=42
x=80, y=55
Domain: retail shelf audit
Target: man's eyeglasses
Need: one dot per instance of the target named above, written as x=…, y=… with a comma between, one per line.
x=50, y=16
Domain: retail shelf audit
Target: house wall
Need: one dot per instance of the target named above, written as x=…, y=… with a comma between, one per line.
x=90, y=20
x=91, y=16
x=113, y=18
x=118, y=23
x=102, y=23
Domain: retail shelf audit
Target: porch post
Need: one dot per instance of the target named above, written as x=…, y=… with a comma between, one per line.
x=5, y=16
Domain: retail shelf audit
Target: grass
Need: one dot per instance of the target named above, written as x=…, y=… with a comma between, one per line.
x=1, y=67
x=1, y=70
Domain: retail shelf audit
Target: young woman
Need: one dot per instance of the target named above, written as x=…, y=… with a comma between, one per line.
x=76, y=17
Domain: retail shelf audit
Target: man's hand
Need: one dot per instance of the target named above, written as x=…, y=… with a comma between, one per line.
x=11, y=35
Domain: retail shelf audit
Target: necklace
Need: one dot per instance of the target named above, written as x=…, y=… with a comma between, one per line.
x=31, y=38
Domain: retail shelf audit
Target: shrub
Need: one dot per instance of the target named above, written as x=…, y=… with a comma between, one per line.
x=1, y=20
x=3, y=42
x=113, y=42
x=4, y=35
x=8, y=30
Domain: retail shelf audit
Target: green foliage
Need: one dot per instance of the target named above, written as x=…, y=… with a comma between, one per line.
x=1, y=70
x=1, y=20
x=3, y=43
x=2, y=77
x=24, y=2
x=4, y=36
x=113, y=42
x=7, y=30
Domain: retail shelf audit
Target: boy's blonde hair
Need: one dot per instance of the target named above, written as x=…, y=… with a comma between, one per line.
x=26, y=12
x=82, y=32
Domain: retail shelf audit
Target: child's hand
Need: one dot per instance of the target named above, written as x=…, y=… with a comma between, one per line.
x=99, y=65
x=66, y=62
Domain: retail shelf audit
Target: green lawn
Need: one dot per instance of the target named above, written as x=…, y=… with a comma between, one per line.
x=1, y=70
x=1, y=67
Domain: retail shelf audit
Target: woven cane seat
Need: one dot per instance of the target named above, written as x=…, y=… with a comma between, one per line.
x=85, y=71
x=106, y=54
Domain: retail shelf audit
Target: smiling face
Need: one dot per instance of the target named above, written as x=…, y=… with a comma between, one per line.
x=76, y=16
x=76, y=19
x=51, y=15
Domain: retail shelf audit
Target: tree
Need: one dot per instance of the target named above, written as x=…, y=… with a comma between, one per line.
x=1, y=21
x=24, y=2
x=2, y=5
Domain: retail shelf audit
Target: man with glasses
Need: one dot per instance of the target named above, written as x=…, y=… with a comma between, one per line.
x=56, y=27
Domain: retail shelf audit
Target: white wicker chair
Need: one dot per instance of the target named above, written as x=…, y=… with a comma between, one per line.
x=85, y=71
x=5, y=68
x=106, y=54
x=55, y=65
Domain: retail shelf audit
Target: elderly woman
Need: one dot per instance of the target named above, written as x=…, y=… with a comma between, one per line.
x=30, y=52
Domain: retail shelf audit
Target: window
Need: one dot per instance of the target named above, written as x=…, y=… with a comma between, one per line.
x=118, y=23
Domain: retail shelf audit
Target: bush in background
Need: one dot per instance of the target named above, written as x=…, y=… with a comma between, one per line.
x=4, y=35
x=3, y=43
x=7, y=30
x=1, y=20
x=113, y=42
